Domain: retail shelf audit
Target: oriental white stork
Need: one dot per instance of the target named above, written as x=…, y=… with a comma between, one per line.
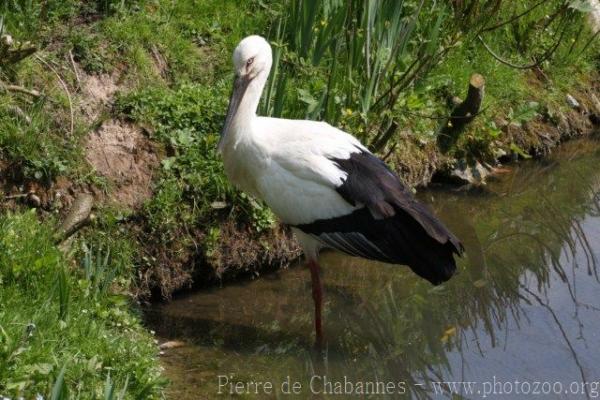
x=323, y=183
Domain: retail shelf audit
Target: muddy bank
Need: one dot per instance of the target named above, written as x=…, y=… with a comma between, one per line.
x=242, y=252
x=418, y=163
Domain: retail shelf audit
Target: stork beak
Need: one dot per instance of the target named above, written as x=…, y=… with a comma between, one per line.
x=239, y=89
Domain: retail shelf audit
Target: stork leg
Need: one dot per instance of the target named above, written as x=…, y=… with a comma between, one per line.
x=317, y=293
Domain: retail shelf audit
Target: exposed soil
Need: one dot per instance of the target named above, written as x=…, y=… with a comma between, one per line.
x=270, y=249
x=121, y=153
x=97, y=92
x=118, y=151
x=17, y=190
x=240, y=252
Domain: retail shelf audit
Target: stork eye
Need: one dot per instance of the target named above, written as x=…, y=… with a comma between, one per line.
x=249, y=62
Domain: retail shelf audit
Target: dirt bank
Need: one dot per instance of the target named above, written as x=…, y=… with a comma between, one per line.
x=123, y=154
x=418, y=162
x=242, y=252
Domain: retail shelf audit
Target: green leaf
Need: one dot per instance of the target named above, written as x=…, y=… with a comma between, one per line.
x=413, y=102
x=40, y=368
x=526, y=112
x=167, y=163
x=59, y=390
x=516, y=149
x=305, y=97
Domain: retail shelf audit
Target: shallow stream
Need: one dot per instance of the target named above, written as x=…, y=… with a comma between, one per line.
x=522, y=315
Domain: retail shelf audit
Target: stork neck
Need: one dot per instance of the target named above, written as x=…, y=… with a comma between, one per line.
x=249, y=105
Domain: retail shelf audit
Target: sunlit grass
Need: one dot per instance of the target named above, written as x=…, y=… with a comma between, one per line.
x=172, y=60
x=58, y=316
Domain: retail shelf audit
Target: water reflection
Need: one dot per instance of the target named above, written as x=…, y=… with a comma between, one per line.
x=524, y=306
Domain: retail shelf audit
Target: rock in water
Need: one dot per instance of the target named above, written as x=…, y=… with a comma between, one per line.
x=474, y=174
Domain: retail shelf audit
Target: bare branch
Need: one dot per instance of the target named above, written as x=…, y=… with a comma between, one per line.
x=20, y=89
x=537, y=63
x=516, y=17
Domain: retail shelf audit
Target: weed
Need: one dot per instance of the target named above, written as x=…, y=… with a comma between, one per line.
x=66, y=326
x=371, y=59
x=44, y=302
x=98, y=271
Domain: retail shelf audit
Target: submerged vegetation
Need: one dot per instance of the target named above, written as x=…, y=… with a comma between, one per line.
x=124, y=99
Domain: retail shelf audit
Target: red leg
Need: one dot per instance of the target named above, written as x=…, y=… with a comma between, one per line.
x=317, y=292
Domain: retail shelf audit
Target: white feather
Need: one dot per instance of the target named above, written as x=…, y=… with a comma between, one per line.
x=299, y=180
x=286, y=163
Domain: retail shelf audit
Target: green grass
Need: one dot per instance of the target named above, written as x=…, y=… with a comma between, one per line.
x=193, y=39
x=322, y=67
x=36, y=137
x=186, y=120
x=63, y=311
x=68, y=312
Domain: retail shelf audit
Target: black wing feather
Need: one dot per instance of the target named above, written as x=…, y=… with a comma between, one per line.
x=393, y=226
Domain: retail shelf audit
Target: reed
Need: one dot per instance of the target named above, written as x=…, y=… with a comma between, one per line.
x=98, y=270
x=369, y=52
x=363, y=59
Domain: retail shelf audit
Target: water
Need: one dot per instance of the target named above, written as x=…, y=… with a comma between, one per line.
x=522, y=315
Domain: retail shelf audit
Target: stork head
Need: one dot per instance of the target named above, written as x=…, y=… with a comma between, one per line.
x=252, y=59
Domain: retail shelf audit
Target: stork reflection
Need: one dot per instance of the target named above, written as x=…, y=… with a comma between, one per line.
x=524, y=304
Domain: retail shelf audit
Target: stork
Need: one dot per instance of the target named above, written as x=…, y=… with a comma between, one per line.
x=326, y=185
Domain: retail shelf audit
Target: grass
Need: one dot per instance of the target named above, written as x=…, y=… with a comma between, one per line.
x=62, y=315
x=65, y=321
x=192, y=197
x=172, y=57
x=39, y=145
x=340, y=64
